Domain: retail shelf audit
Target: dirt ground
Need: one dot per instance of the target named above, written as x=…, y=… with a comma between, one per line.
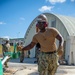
x=31, y=68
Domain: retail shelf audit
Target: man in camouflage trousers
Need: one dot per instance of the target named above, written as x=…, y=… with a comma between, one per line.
x=20, y=44
x=6, y=49
x=46, y=37
x=37, y=51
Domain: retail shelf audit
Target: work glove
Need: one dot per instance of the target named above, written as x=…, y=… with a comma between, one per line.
x=60, y=50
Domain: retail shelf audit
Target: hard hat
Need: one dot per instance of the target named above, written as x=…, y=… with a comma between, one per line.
x=6, y=39
x=42, y=17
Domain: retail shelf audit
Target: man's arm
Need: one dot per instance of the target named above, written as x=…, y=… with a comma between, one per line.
x=30, y=46
x=61, y=41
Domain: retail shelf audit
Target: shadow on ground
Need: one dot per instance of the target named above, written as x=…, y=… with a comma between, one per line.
x=26, y=60
x=34, y=73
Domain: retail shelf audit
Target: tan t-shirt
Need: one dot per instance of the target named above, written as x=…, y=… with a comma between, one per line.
x=46, y=39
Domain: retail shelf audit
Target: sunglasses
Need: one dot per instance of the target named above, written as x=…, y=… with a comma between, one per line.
x=40, y=22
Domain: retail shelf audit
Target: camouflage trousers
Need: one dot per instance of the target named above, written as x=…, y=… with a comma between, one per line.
x=47, y=63
x=21, y=56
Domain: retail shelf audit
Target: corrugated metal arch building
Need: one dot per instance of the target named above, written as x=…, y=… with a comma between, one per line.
x=65, y=25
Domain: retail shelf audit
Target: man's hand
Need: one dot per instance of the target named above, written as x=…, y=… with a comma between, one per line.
x=19, y=48
x=60, y=51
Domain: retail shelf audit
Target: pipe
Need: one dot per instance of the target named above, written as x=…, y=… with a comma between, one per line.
x=5, y=59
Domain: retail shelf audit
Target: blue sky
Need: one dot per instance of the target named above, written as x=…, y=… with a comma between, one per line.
x=17, y=15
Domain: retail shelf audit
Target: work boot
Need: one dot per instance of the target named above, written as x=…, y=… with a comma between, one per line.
x=21, y=61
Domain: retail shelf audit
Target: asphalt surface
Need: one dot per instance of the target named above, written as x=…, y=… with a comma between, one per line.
x=28, y=67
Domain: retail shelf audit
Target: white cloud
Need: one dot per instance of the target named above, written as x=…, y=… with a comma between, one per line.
x=2, y=23
x=72, y=0
x=46, y=8
x=22, y=18
x=7, y=37
x=56, y=1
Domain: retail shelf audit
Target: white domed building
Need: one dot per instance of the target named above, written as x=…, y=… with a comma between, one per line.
x=65, y=25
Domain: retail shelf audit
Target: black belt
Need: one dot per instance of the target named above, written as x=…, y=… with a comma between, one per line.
x=49, y=52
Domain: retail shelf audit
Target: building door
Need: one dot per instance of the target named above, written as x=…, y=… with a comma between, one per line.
x=72, y=59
